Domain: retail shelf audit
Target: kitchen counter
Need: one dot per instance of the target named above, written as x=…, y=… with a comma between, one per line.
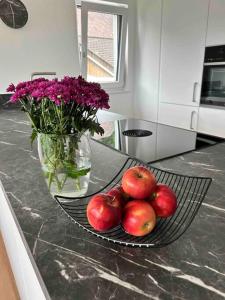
x=71, y=264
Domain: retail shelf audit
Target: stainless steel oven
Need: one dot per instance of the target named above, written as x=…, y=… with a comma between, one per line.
x=213, y=82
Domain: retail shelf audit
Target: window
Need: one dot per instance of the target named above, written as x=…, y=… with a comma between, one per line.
x=102, y=35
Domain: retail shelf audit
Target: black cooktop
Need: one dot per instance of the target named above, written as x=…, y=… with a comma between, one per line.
x=144, y=140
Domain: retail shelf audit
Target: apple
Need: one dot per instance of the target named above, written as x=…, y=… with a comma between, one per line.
x=104, y=212
x=119, y=194
x=164, y=201
x=138, y=182
x=139, y=218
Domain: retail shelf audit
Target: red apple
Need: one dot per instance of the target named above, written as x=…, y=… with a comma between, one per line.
x=104, y=212
x=119, y=194
x=138, y=182
x=164, y=201
x=139, y=218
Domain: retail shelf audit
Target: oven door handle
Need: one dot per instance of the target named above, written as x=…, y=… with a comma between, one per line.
x=194, y=92
x=221, y=63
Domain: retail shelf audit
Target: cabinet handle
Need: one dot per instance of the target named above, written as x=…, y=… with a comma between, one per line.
x=194, y=91
x=192, y=116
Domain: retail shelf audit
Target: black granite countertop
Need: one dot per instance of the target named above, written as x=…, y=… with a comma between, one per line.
x=76, y=265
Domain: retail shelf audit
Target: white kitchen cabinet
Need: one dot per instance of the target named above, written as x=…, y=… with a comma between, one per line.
x=147, y=59
x=212, y=121
x=216, y=23
x=181, y=116
x=183, y=37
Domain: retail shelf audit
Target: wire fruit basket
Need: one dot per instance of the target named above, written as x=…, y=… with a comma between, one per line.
x=190, y=192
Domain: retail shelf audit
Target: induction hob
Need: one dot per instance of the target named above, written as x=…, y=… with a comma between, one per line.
x=147, y=141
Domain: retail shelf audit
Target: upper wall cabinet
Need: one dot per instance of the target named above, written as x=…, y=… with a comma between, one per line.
x=182, y=50
x=216, y=23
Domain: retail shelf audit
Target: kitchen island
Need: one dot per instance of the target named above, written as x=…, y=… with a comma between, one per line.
x=71, y=264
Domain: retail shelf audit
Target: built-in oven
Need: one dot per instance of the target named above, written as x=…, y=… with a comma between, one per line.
x=213, y=82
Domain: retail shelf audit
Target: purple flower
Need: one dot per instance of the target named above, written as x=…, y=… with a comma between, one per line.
x=66, y=91
x=76, y=99
x=11, y=88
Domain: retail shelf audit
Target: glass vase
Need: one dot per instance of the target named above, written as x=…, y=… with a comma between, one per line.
x=66, y=163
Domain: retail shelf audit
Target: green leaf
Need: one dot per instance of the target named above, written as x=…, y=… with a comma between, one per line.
x=74, y=173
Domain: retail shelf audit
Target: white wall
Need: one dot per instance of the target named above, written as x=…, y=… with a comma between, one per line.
x=147, y=59
x=121, y=101
x=46, y=43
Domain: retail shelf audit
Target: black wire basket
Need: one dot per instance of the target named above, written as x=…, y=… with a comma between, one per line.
x=190, y=192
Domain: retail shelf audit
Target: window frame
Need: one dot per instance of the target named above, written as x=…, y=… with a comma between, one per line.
x=87, y=6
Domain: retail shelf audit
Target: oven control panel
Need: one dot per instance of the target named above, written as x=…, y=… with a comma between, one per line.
x=215, y=54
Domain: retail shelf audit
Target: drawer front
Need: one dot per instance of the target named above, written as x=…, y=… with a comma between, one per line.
x=212, y=121
x=180, y=116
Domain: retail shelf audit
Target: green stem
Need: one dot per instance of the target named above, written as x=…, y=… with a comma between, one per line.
x=60, y=160
x=50, y=179
x=59, y=186
x=64, y=181
x=77, y=184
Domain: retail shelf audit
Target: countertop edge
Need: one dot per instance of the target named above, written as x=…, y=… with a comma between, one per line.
x=21, y=260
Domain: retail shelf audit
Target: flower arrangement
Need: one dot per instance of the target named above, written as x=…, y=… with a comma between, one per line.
x=61, y=106
x=61, y=111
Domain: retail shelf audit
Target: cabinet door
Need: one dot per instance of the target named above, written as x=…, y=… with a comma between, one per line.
x=179, y=116
x=146, y=85
x=182, y=50
x=211, y=121
x=216, y=23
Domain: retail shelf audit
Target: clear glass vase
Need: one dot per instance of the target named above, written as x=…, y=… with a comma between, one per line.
x=66, y=163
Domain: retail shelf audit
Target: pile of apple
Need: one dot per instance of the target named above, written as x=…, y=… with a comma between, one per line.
x=135, y=204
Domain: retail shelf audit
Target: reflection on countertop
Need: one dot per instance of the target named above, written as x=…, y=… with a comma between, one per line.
x=161, y=142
